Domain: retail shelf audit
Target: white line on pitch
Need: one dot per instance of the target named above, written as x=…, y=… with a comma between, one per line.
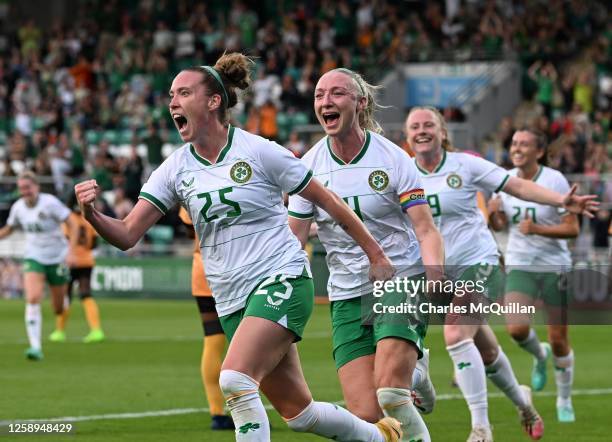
x=179, y=411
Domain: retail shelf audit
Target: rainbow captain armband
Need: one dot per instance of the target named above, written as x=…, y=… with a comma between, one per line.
x=412, y=198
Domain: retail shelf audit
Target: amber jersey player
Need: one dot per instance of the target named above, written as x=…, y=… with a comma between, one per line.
x=214, y=339
x=82, y=239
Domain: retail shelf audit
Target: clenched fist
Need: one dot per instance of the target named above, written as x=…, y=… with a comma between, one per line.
x=86, y=193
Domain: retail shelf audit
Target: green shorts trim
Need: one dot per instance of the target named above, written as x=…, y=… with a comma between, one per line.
x=55, y=274
x=488, y=279
x=550, y=287
x=358, y=325
x=286, y=300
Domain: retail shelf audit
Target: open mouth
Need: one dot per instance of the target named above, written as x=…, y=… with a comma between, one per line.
x=180, y=121
x=422, y=139
x=331, y=118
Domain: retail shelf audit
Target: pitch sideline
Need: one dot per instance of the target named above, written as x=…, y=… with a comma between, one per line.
x=180, y=411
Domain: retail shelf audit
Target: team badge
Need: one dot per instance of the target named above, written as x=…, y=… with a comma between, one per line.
x=454, y=181
x=241, y=172
x=378, y=180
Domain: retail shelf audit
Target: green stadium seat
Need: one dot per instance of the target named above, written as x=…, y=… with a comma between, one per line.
x=161, y=238
x=37, y=123
x=284, y=123
x=110, y=136
x=300, y=118
x=93, y=137
x=125, y=137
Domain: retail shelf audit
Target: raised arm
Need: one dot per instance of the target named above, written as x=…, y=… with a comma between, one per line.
x=567, y=228
x=430, y=240
x=5, y=231
x=380, y=266
x=529, y=191
x=123, y=234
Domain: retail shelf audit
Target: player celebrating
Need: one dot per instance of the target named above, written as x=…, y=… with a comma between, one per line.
x=538, y=256
x=41, y=216
x=214, y=339
x=451, y=180
x=378, y=180
x=82, y=239
x=231, y=183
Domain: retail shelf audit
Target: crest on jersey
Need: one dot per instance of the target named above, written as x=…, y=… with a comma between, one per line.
x=378, y=180
x=241, y=172
x=454, y=181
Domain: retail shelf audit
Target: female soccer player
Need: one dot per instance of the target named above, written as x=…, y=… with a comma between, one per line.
x=214, y=339
x=538, y=257
x=231, y=183
x=41, y=216
x=82, y=240
x=379, y=181
x=451, y=180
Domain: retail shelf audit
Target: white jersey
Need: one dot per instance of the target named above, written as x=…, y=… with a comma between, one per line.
x=372, y=185
x=534, y=250
x=42, y=224
x=451, y=192
x=236, y=205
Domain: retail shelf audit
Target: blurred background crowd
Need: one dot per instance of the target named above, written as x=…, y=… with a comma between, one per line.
x=87, y=97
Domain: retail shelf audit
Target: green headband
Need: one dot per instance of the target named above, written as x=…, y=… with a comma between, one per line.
x=212, y=71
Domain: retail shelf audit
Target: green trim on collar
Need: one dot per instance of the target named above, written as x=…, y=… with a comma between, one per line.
x=357, y=157
x=437, y=168
x=222, y=153
x=538, y=173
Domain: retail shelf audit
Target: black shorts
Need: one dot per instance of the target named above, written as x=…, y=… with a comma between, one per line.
x=77, y=273
x=206, y=304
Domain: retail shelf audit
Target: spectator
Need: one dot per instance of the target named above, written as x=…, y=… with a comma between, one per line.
x=154, y=145
x=100, y=173
x=267, y=124
x=545, y=76
x=131, y=170
x=295, y=144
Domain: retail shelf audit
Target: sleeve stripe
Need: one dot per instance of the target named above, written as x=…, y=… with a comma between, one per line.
x=503, y=183
x=303, y=184
x=157, y=203
x=300, y=215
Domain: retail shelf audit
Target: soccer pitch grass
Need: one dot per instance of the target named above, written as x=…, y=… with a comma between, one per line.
x=150, y=364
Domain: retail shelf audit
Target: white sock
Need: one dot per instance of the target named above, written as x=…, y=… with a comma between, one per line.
x=243, y=400
x=532, y=345
x=564, y=377
x=501, y=374
x=334, y=422
x=33, y=323
x=397, y=403
x=417, y=376
x=471, y=378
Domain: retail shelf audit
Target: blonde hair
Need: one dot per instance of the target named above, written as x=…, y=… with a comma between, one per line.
x=233, y=71
x=367, y=90
x=28, y=175
x=446, y=144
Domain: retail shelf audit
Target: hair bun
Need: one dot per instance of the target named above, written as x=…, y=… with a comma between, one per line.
x=235, y=69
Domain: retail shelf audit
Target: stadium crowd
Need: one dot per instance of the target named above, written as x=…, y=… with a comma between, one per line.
x=71, y=92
